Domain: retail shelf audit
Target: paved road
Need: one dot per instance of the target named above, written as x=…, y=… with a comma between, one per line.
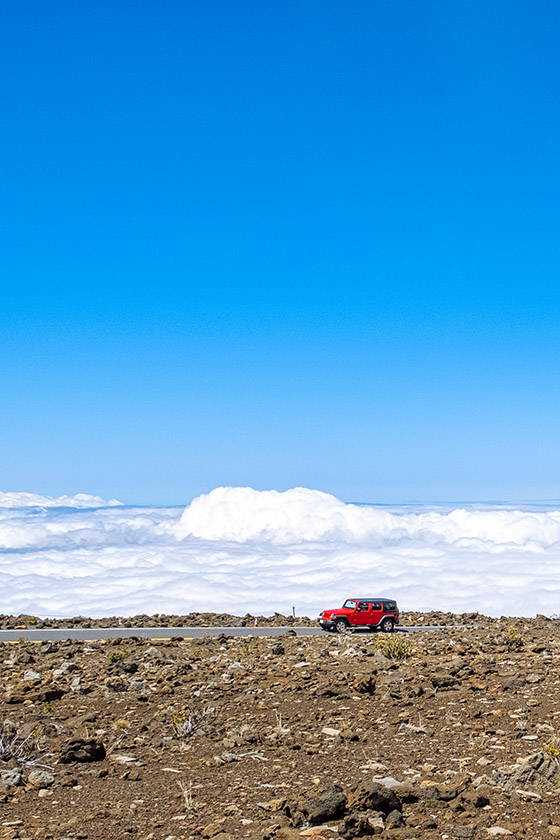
x=93, y=633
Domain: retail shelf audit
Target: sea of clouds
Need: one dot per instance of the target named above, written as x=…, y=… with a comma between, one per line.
x=241, y=551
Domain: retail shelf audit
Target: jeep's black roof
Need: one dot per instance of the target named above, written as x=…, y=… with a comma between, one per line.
x=368, y=598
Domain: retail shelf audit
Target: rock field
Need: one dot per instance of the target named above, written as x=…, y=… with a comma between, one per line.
x=11, y=622
x=452, y=733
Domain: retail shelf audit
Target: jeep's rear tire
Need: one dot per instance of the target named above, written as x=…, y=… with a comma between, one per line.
x=387, y=625
x=340, y=625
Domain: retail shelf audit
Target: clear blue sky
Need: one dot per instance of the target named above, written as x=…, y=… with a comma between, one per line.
x=290, y=243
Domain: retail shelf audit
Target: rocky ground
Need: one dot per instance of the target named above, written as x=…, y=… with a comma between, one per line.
x=443, y=734
x=209, y=619
x=204, y=619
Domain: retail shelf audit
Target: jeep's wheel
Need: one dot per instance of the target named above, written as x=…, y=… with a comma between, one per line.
x=387, y=625
x=340, y=626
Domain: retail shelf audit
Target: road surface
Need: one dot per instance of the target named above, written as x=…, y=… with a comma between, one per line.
x=51, y=634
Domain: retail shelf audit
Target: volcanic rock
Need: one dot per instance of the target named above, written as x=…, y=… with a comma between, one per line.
x=82, y=751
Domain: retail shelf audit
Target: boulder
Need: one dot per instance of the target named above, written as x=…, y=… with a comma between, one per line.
x=356, y=824
x=326, y=805
x=539, y=773
x=11, y=778
x=394, y=819
x=40, y=778
x=373, y=796
x=82, y=750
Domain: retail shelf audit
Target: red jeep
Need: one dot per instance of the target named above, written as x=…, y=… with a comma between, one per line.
x=375, y=613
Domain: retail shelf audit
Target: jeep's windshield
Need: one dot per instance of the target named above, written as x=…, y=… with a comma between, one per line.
x=349, y=605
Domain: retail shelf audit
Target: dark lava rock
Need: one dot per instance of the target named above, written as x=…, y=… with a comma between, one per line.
x=81, y=750
x=437, y=793
x=47, y=694
x=355, y=825
x=123, y=668
x=394, y=820
x=326, y=805
x=365, y=685
x=375, y=797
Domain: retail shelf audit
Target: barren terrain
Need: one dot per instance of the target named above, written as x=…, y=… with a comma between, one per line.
x=207, y=619
x=451, y=733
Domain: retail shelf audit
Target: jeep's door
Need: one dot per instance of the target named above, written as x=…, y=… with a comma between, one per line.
x=362, y=616
x=376, y=613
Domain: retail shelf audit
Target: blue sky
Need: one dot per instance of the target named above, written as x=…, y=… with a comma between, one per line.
x=278, y=244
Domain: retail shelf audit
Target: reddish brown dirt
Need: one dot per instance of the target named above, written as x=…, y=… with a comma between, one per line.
x=275, y=720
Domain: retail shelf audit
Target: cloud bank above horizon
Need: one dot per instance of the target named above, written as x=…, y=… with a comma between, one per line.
x=240, y=550
x=81, y=500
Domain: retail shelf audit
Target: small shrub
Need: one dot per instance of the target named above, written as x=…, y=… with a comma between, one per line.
x=14, y=747
x=118, y=655
x=552, y=749
x=187, y=795
x=279, y=730
x=513, y=639
x=392, y=647
x=186, y=724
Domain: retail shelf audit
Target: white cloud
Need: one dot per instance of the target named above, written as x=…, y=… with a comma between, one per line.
x=239, y=550
x=300, y=515
x=81, y=500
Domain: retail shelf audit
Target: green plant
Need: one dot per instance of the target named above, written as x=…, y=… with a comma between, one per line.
x=513, y=639
x=392, y=647
x=552, y=748
x=118, y=655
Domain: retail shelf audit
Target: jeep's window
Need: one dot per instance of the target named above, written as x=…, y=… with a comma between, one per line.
x=363, y=605
x=376, y=605
x=349, y=605
x=390, y=606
